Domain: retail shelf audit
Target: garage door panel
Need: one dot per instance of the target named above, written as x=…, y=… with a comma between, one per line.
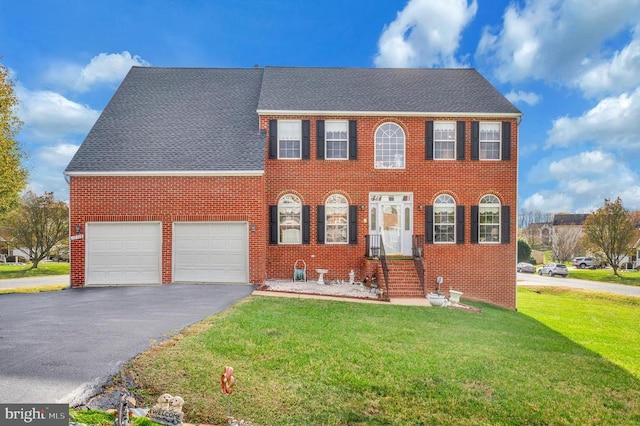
x=210, y=252
x=123, y=253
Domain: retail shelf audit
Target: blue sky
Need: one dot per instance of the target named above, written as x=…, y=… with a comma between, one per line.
x=574, y=71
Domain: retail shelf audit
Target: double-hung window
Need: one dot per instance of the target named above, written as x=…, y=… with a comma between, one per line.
x=389, y=147
x=336, y=140
x=289, y=139
x=337, y=220
x=289, y=220
x=490, y=141
x=444, y=141
x=444, y=219
x=489, y=220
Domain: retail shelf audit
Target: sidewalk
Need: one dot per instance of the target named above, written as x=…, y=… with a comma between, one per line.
x=34, y=281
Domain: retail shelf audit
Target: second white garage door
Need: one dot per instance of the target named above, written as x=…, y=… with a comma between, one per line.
x=210, y=252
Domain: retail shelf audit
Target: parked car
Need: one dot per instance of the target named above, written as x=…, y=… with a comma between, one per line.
x=552, y=269
x=525, y=267
x=584, y=262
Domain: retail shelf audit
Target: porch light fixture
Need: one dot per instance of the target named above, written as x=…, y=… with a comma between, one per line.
x=362, y=207
x=78, y=229
x=420, y=207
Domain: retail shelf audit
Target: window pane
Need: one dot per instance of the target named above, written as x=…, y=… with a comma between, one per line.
x=336, y=139
x=390, y=148
x=490, y=141
x=289, y=220
x=289, y=137
x=336, y=220
x=444, y=141
x=444, y=219
x=489, y=226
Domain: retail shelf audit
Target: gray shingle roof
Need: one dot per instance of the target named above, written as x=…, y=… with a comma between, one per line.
x=177, y=119
x=413, y=90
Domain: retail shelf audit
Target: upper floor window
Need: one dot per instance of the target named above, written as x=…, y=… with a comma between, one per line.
x=390, y=147
x=490, y=141
x=337, y=220
x=444, y=219
x=489, y=220
x=444, y=141
x=289, y=220
x=336, y=140
x=289, y=139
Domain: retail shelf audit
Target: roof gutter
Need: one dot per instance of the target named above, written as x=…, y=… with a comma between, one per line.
x=390, y=113
x=168, y=173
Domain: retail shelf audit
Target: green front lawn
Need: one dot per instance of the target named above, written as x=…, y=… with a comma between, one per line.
x=322, y=362
x=606, y=275
x=23, y=271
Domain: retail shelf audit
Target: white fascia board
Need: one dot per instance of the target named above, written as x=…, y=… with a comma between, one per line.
x=171, y=173
x=391, y=113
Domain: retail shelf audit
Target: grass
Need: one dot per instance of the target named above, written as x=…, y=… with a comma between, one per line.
x=316, y=362
x=37, y=289
x=606, y=275
x=101, y=418
x=23, y=271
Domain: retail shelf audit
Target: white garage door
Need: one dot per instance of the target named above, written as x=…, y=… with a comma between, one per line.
x=123, y=253
x=210, y=252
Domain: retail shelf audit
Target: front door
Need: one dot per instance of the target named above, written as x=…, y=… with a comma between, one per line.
x=391, y=217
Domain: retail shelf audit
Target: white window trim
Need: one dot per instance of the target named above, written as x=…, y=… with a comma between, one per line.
x=499, y=224
x=326, y=219
x=299, y=205
x=375, y=144
x=454, y=219
x=326, y=141
x=299, y=122
x=455, y=140
x=480, y=141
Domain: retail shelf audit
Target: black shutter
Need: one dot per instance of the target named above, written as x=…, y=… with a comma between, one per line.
x=320, y=139
x=428, y=140
x=273, y=224
x=506, y=140
x=353, y=140
x=475, y=212
x=428, y=220
x=475, y=140
x=505, y=218
x=460, y=134
x=320, y=225
x=306, y=139
x=273, y=139
x=459, y=224
x=306, y=225
x=353, y=224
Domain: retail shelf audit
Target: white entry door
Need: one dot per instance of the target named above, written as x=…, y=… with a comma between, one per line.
x=211, y=252
x=391, y=217
x=123, y=253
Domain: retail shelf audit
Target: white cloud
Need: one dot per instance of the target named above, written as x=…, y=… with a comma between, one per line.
x=425, y=33
x=612, y=122
x=522, y=96
x=106, y=68
x=48, y=115
x=548, y=202
x=554, y=39
x=58, y=155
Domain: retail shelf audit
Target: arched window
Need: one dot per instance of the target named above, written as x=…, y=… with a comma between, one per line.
x=489, y=220
x=289, y=220
x=390, y=147
x=336, y=220
x=444, y=219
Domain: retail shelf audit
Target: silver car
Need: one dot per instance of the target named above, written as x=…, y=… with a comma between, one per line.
x=525, y=267
x=552, y=269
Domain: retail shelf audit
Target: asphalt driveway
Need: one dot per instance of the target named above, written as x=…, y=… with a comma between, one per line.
x=61, y=346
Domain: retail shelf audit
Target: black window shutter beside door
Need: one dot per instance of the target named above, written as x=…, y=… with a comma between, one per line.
x=320, y=225
x=273, y=139
x=460, y=136
x=475, y=212
x=506, y=141
x=273, y=224
x=306, y=139
x=320, y=139
x=505, y=218
x=428, y=140
x=306, y=225
x=428, y=220
x=475, y=140
x=459, y=224
x=353, y=140
x=353, y=224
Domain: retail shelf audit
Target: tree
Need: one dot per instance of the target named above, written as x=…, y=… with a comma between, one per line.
x=531, y=224
x=610, y=231
x=13, y=176
x=524, y=250
x=38, y=224
x=564, y=241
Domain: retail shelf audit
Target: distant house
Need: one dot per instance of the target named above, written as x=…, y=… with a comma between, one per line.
x=564, y=219
x=231, y=175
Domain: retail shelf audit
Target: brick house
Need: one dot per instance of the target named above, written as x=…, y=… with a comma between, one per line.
x=231, y=175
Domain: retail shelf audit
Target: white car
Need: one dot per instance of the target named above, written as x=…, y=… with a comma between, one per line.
x=525, y=267
x=552, y=269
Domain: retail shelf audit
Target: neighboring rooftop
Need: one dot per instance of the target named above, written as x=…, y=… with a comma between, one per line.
x=569, y=219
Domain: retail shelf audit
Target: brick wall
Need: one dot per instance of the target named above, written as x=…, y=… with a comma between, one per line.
x=167, y=200
x=482, y=271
